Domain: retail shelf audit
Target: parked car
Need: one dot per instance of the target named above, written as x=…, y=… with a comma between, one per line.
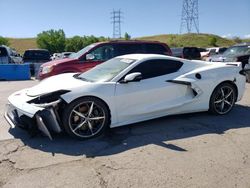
x=248, y=72
x=36, y=57
x=212, y=51
x=186, y=52
x=8, y=55
x=239, y=52
x=66, y=54
x=216, y=50
x=125, y=90
x=97, y=53
x=55, y=56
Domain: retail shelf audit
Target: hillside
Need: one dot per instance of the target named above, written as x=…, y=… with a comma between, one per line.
x=198, y=40
x=21, y=44
x=173, y=40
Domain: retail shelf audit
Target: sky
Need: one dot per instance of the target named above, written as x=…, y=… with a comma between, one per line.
x=27, y=18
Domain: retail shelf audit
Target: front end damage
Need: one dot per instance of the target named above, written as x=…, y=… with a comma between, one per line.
x=36, y=112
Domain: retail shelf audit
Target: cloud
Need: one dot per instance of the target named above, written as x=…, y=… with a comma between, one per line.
x=229, y=36
x=246, y=36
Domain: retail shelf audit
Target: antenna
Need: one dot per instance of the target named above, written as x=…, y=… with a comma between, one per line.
x=116, y=21
x=190, y=16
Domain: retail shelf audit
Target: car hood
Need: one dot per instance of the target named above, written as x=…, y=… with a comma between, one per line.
x=55, y=83
x=59, y=61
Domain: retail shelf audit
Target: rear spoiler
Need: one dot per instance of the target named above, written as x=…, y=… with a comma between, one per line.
x=237, y=64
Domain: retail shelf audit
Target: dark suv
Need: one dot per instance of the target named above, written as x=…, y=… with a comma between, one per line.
x=97, y=53
x=36, y=57
x=187, y=52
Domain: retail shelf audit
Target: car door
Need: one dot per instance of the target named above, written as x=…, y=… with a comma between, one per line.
x=153, y=96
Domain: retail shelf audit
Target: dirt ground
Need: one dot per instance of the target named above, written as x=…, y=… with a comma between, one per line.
x=193, y=150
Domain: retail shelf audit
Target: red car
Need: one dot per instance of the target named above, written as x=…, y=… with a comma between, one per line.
x=97, y=53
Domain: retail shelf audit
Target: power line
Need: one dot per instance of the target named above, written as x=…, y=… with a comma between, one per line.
x=190, y=16
x=116, y=21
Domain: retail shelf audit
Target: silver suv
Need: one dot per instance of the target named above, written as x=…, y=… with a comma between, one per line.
x=8, y=55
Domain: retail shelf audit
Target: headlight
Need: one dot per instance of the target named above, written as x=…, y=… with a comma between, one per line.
x=47, y=69
x=48, y=98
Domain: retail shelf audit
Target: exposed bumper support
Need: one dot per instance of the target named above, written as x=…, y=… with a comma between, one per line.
x=9, y=120
x=46, y=120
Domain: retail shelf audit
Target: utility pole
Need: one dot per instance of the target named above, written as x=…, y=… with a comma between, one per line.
x=116, y=21
x=190, y=16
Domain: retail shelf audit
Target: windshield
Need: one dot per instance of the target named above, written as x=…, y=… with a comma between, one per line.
x=106, y=71
x=82, y=51
x=237, y=50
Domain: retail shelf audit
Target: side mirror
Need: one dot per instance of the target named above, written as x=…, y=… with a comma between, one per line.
x=132, y=77
x=90, y=57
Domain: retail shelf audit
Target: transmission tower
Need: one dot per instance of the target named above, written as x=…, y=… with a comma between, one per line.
x=116, y=21
x=190, y=16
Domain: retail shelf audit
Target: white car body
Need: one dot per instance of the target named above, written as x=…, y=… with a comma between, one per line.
x=176, y=93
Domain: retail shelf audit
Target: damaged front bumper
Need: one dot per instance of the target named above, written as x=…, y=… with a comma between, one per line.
x=43, y=117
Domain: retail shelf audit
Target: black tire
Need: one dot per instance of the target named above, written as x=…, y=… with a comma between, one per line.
x=222, y=99
x=89, y=126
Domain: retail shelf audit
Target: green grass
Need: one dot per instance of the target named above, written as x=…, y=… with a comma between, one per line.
x=173, y=40
x=197, y=40
x=22, y=44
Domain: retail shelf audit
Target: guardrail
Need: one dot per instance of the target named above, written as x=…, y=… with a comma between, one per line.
x=10, y=72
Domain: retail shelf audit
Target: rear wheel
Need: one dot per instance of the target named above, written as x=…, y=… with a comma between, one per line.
x=86, y=118
x=222, y=99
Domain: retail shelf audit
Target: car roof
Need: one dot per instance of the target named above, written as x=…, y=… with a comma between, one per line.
x=129, y=42
x=147, y=56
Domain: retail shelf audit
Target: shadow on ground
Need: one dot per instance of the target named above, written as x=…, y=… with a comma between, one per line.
x=158, y=132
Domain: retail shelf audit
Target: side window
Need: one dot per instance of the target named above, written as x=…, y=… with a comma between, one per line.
x=123, y=49
x=103, y=53
x=158, y=67
x=155, y=49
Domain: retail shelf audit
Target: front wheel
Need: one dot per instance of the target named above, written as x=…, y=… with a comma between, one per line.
x=222, y=99
x=86, y=118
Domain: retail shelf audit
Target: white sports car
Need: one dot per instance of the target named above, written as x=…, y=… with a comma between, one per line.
x=125, y=90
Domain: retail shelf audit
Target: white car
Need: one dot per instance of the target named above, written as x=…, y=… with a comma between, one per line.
x=126, y=90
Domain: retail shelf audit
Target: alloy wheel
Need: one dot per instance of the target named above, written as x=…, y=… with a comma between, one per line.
x=86, y=119
x=224, y=99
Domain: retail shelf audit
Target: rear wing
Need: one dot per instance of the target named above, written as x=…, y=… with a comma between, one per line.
x=237, y=64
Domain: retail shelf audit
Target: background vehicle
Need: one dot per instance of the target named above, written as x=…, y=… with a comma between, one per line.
x=186, y=52
x=236, y=53
x=55, y=56
x=216, y=50
x=62, y=55
x=125, y=90
x=248, y=72
x=97, y=53
x=66, y=54
x=36, y=57
x=205, y=55
x=8, y=55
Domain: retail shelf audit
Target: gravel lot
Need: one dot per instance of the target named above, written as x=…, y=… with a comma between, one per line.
x=193, y=150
